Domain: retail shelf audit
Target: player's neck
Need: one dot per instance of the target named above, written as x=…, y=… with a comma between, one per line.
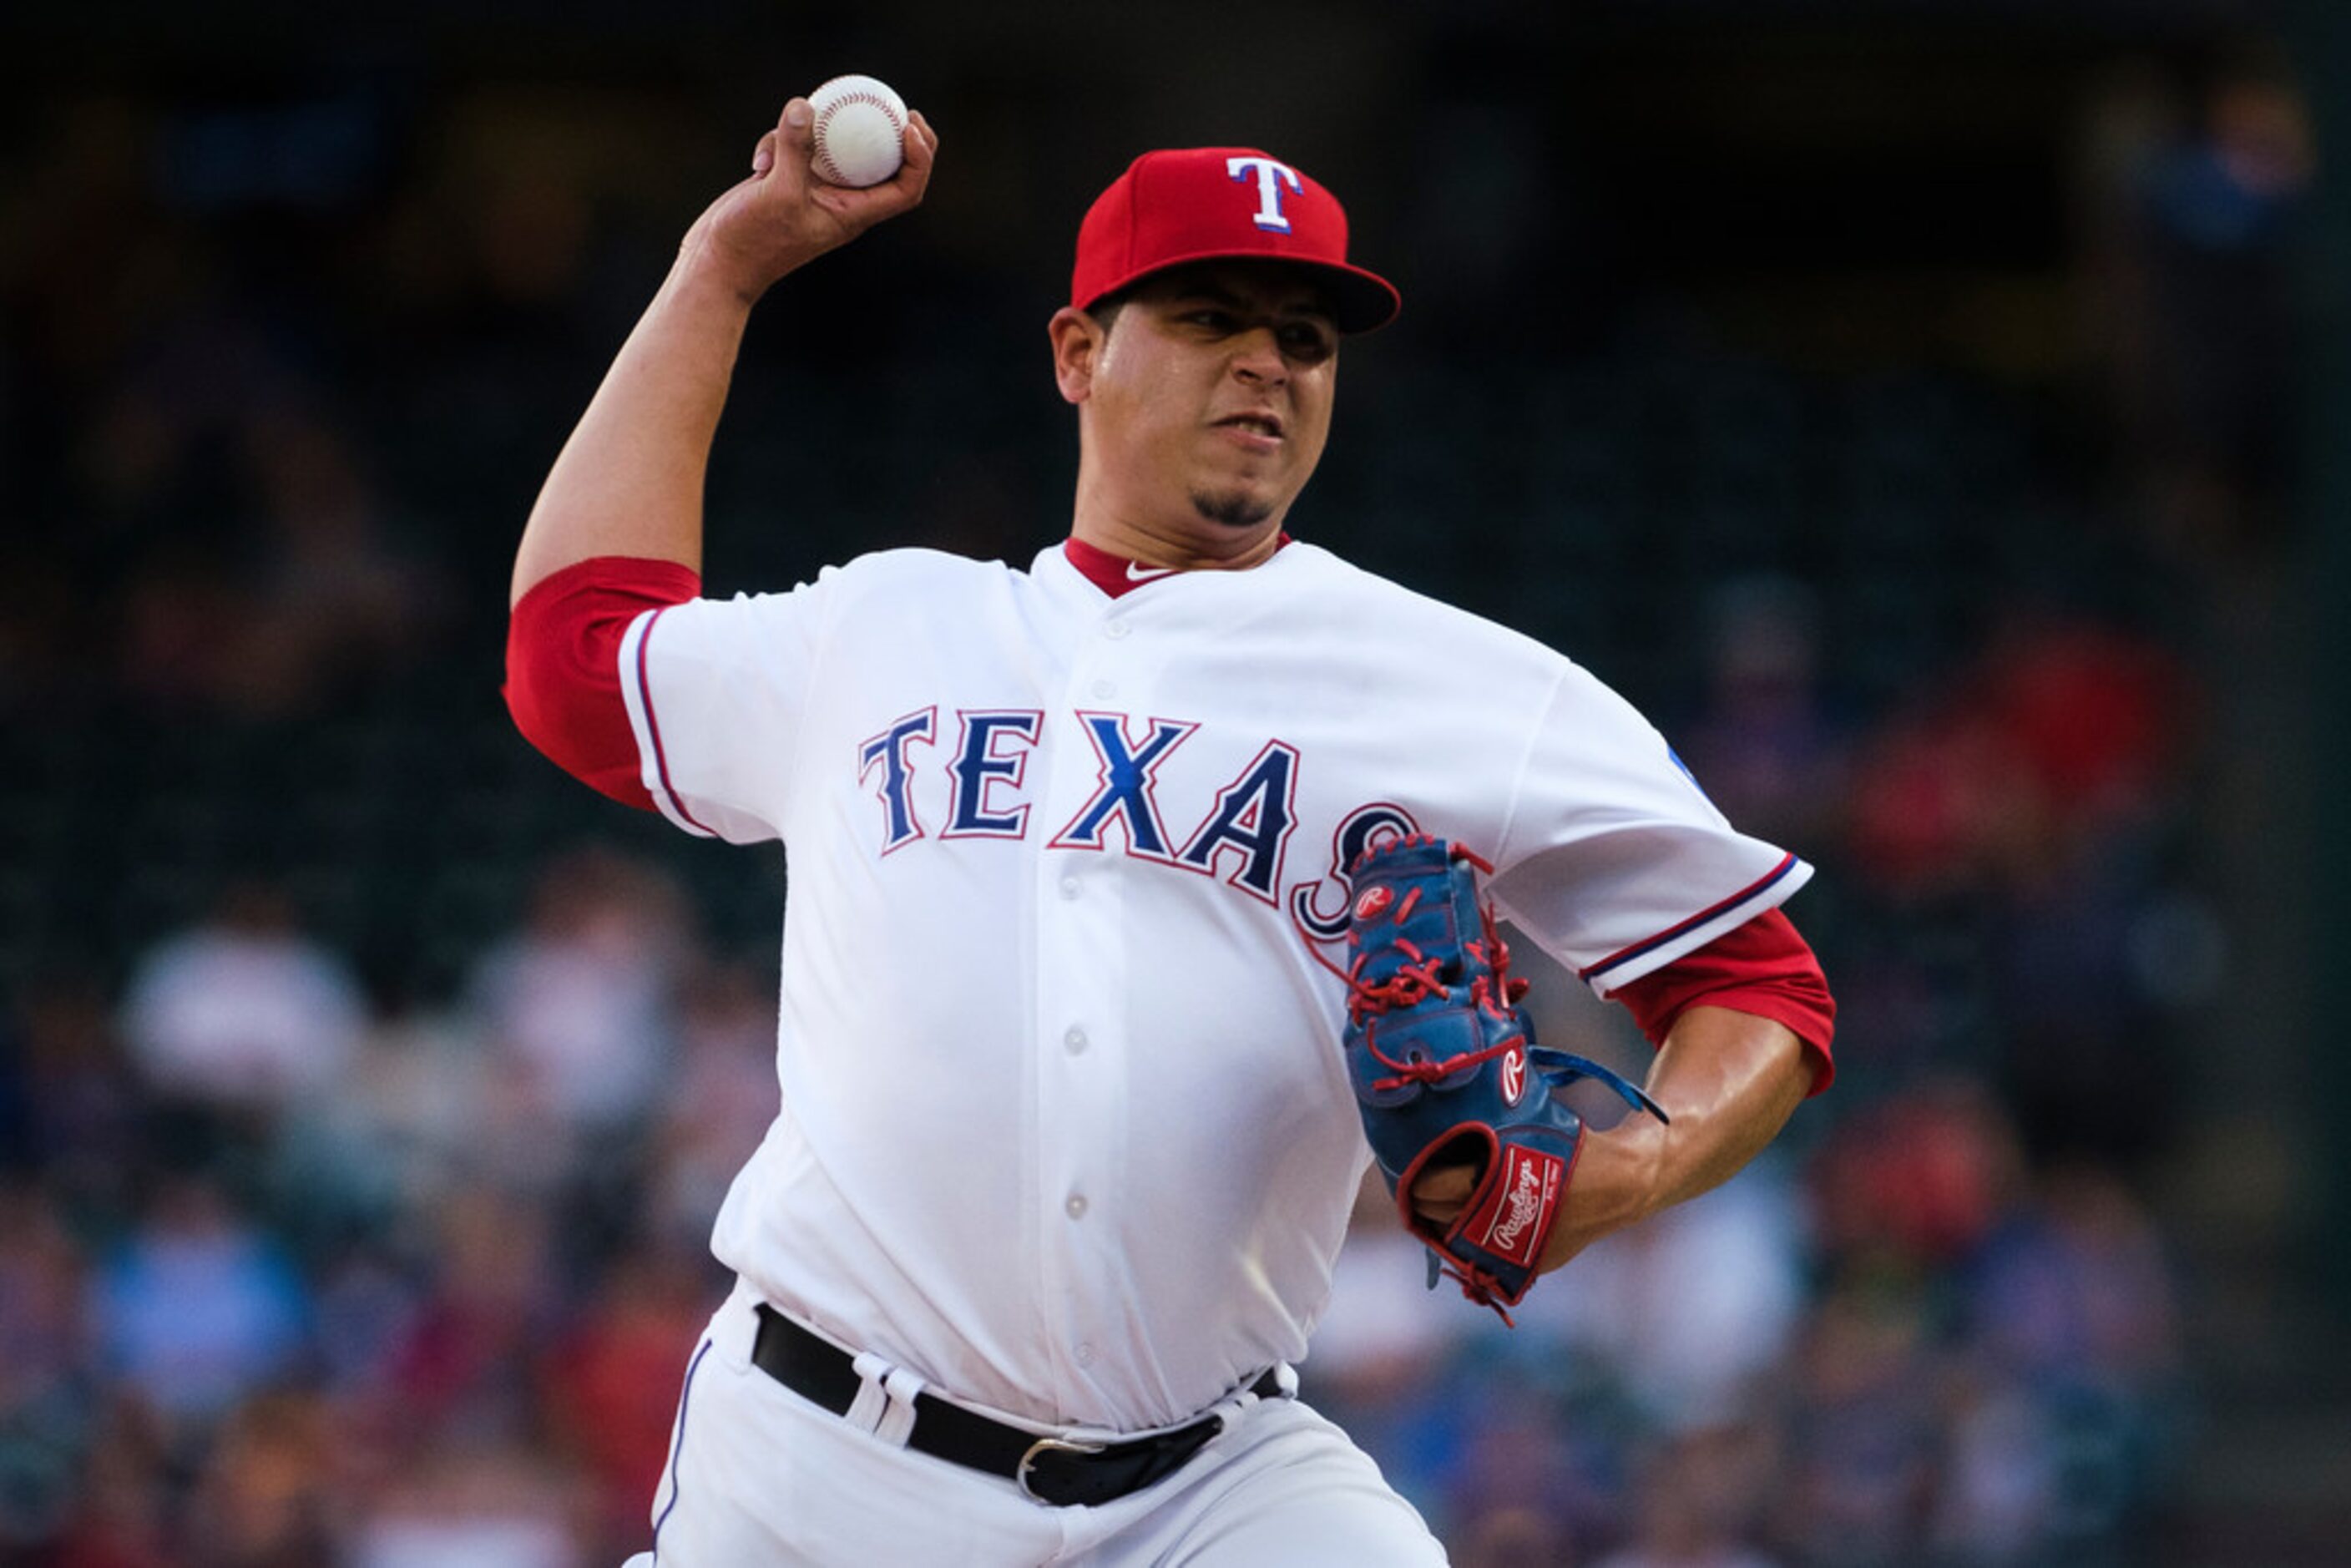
x=1118, y=575
x=1207, y=549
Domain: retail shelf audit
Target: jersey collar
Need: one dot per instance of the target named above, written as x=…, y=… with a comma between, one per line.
x=1117, y=576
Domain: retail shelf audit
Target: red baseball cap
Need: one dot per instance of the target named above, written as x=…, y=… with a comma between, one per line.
x=1205, y=204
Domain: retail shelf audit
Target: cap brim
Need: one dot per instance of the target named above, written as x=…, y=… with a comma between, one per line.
x=1359, y=300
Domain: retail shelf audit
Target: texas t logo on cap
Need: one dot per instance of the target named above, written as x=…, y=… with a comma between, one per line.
x=1271, y=177
x=1215, y=204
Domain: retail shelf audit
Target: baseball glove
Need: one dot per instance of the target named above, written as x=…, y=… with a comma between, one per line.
x=1446, y=1068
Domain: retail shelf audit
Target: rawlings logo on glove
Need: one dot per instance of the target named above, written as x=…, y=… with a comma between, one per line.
x=1439, y=1049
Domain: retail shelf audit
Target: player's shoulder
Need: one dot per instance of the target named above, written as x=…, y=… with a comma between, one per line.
x=881, y=586
x=1412, y=618
x=912, y=567
x=904, y=577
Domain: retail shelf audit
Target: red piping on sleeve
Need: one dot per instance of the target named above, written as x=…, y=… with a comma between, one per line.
x=563, y=665
x=1652, y=943
x=643, y=676
x=1763, y=967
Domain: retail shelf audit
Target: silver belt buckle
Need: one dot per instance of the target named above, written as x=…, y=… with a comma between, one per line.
x=1028, y=1462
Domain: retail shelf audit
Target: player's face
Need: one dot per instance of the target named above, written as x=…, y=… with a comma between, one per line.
x=1209, y=400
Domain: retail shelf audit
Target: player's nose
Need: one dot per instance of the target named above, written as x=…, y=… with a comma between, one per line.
x=1256, y=357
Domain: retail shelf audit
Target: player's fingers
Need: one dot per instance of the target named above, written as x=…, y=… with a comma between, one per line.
x=794, y=134
x=1446, y=1183
x=781, y=159
x=1440, y=1195
x=922, y=150
x=793, y=124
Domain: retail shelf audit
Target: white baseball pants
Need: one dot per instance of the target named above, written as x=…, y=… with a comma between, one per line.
x=759, y=1476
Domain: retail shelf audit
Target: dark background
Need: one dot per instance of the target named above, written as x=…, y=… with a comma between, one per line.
x=1928, y=411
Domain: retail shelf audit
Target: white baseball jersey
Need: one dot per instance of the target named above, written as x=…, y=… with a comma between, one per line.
x=1066, y=1126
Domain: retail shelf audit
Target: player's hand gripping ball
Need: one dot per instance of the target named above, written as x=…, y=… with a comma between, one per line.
x=1447, y=1070
x=859, y=130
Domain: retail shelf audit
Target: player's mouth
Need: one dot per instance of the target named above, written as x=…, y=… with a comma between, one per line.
x=1257, y=430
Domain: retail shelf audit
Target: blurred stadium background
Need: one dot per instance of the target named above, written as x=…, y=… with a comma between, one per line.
x=1932, y=412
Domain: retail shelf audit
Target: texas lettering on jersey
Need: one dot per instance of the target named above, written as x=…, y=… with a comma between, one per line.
x=1241, y=834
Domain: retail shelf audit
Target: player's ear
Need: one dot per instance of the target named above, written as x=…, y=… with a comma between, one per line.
x=1078, y=341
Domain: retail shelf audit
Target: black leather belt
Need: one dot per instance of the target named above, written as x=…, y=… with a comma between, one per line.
x=1051, y=1470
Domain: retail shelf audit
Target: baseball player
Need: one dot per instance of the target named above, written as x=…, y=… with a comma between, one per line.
x=1066, y=1146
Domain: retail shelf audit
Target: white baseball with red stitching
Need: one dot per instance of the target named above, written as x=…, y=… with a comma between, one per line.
x=860, y=131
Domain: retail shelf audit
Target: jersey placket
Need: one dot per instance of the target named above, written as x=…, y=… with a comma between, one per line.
x=1080, y=1047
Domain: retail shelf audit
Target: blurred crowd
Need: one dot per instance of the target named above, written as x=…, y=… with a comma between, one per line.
x=360, y=1127
x=287, y=1281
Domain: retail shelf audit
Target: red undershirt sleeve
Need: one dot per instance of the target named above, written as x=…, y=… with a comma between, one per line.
x=563, y=665
x=1764, y=968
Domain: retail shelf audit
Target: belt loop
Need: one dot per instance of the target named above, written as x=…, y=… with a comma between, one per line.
x=1238, y=1403
x=872, y=1402
x=898, y=1423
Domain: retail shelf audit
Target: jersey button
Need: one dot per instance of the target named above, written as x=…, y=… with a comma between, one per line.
x=1114, y=630
x=1068, y=887
x=1085, y=1355
x=1105, y=688
x=1074, y=1042
x=1076, y=1208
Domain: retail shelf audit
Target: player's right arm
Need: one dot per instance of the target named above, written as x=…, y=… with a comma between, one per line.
x=628, y=481
x=616, y=535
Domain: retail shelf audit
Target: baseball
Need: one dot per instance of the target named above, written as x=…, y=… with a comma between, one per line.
x=861, y=128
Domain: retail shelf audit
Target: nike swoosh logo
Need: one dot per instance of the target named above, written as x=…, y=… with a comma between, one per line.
x=1138, y=572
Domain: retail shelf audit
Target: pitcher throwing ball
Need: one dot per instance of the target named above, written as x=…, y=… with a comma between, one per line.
x=1069, y=1132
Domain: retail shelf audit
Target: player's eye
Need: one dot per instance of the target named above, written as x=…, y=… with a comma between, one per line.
x=1308, y=340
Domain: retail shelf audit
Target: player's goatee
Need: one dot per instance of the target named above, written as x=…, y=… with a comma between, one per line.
x=1235, y=511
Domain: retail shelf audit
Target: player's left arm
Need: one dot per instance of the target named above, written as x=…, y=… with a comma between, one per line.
x=1743, y=1028
x=1632, y=878
x=1729, y=1080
